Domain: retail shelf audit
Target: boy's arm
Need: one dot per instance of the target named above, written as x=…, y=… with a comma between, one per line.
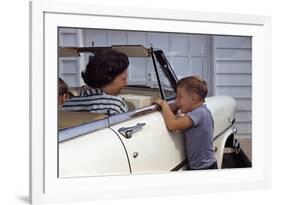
x=173, y=122
x=173, y=107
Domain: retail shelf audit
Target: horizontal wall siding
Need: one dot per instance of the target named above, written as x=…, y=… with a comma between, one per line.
x=236, y=92
x=231, y=54
x=233, y=42
x=244, y=116
x=69, y=67
x=234, y=79
x=233, y=76
x=235, y=67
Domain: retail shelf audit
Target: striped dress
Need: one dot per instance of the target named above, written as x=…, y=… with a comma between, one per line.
x=97, y=101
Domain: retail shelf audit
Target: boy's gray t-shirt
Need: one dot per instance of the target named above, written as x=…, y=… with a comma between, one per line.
x=199, y=138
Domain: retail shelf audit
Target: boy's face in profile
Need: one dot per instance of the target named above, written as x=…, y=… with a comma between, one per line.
x=184, y=100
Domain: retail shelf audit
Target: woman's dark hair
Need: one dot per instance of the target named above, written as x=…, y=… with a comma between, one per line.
x=103, y=67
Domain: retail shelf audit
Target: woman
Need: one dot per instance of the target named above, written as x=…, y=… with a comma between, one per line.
x=105, y=75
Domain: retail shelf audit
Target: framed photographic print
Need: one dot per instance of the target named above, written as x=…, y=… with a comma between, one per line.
x=96, y=138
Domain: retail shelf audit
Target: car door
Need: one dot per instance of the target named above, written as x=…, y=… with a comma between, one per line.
x=151, y=148
x=89, y=148
x=97, y=153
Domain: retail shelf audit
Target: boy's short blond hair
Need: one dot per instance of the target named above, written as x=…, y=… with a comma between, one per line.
x=194, y=84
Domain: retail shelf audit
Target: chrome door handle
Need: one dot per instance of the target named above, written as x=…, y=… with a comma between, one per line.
x=129, y=131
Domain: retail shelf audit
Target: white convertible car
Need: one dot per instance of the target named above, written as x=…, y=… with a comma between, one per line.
x=137, y=141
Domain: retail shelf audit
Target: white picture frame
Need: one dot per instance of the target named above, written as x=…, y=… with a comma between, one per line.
x=46, y=187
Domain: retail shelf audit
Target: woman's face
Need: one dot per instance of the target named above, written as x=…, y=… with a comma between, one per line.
x=117, y=84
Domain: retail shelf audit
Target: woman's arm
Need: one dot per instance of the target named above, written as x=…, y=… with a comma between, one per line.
x=173, y=122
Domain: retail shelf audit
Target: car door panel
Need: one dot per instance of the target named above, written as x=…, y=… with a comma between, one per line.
x=97, y=153
x=152, y=148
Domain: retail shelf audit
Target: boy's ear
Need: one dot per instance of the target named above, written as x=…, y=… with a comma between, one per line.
x=194, y=97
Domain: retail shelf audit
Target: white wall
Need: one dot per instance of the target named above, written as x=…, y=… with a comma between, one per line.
x=187, y=54
x=69, y=67
x=233, y=76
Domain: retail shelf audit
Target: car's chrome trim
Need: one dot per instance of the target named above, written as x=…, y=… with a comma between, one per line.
x=72, y=132
x=129, y=131
x=218, y=135
x=76, y=131
x=166, y=68
x=157, y=75
x=180, y=165
x=113, y=119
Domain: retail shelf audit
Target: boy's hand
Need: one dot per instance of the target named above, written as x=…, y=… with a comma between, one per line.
x=158, y=102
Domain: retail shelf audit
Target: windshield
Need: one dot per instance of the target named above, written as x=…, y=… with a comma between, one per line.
x=164, y=85
x=147, y=72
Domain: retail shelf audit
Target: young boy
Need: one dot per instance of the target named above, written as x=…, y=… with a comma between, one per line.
x=63, y=92
x=195, y=120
